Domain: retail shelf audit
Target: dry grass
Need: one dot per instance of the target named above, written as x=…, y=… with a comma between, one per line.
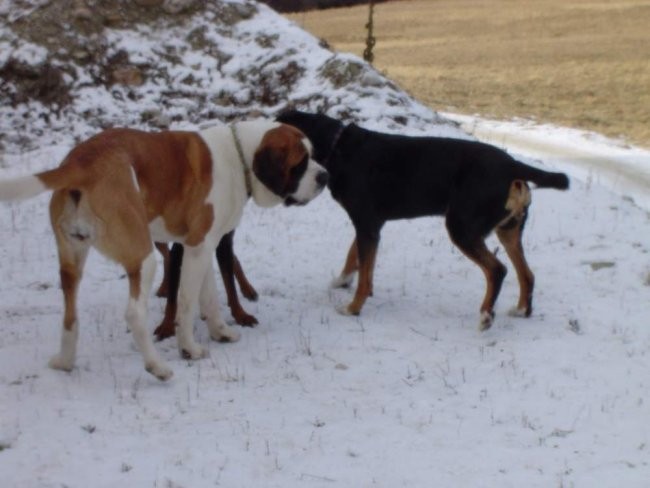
x=576, y=63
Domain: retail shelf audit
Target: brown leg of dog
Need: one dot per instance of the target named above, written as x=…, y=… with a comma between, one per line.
x=367, y=249
x=351, y=266
x=510, y=237
x=166, y=327
x=244, y=285
x=226, y=260
x=163, y=249
x=72, y=257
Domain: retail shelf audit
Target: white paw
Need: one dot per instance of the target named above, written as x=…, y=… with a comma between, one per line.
x=192, y=351
x=517, y=312
x=159, y=370
x=345, y=310
x=343, y=281
x=486, y=321
x=59, y=362
x=224, y=333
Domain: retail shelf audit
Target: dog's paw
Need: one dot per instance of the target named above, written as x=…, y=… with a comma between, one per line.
x=193, y=351
x=224, y=333
x=348, y=310
x=164, y=330
x=343, y=281
x=486, y=320
x=244, y=319
x=518, y=312
x=159, y=370
x=61, y=363
x=250, y=293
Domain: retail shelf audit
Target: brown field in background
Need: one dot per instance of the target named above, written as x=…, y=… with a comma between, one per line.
x=576, y=63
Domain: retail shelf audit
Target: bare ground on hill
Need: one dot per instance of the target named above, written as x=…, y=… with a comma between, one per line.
x=577, y=63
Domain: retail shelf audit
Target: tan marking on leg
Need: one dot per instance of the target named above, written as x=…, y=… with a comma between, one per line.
x=239, y=314
x=364, y=287
x=352, y=260
x=518, y=201
x=244, y=285
x=494, y=272
x=350, y=267
x=511, y=240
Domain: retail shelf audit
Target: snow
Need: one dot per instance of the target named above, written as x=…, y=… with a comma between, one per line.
x=408, y=394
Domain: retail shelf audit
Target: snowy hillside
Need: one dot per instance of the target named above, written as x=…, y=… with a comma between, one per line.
x=408, y=394
x=66, y=75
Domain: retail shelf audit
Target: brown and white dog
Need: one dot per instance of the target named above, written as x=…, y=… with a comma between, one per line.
x=123, y=189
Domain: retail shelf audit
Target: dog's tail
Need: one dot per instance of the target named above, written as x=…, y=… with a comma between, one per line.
x=29, y=186
x=541, y=178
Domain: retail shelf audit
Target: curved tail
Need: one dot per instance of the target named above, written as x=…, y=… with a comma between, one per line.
x=541, y=178
x=24, y=187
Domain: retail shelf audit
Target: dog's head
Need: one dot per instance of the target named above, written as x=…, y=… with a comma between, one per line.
x=284, y=165
x=320, y=129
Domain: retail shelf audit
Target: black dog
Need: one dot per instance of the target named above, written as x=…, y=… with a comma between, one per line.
x=477, y=187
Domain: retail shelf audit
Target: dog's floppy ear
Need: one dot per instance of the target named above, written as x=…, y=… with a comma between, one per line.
x=270, y=168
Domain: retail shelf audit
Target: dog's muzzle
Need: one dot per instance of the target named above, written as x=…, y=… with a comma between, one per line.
x=319, y=182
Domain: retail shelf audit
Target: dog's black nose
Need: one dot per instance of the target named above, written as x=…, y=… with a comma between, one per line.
x=322, y=178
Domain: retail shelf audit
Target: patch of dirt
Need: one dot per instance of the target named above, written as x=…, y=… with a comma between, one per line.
x=72, y=33
x=21, y=82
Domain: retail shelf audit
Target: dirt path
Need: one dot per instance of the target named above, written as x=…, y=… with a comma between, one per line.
x=577, y=63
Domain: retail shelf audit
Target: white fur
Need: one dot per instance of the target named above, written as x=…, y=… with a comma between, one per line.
x=136, y=318
x=308, y=188
x=486, y=321
x=21, y=188
x=517, y=312
x=343, y=281
x=64, y=360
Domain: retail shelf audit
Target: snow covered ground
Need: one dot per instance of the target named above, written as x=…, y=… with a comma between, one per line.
x=407, y=394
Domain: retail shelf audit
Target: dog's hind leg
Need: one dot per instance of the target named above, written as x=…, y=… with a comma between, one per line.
x=166, y=327
x=140, y=282
x=129, y=243
x=351, y=266
x=510, y=236
x=476, y=250
x=72, y=257
x=247, y=289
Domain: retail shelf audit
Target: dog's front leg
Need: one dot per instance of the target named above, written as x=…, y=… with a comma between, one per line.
x=196, y=263
x=367, y=251
x=219, y=330
x=351, y=266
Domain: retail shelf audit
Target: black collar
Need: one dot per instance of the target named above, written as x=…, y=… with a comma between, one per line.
x=335, y=141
